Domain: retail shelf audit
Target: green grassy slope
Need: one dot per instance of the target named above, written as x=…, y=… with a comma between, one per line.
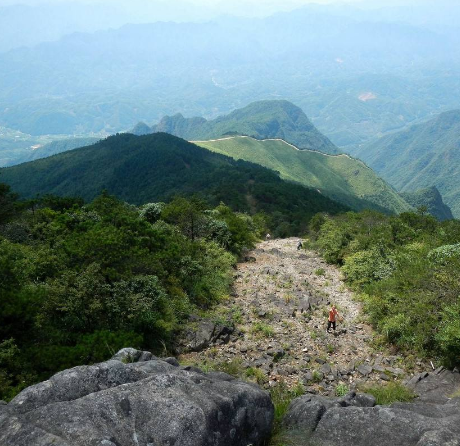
x=261, y=120
x=340, y=177
x=141, y=169
x=425, y=155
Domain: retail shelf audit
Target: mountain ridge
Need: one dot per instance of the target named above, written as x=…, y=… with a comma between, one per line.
x=261, y=120
x=157, y=167
x=339, y=176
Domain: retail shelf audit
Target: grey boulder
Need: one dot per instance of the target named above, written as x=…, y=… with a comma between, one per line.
x=305, y=412
x=205, y=333
x=145, y=403
x=355, y=420
x=386, y=426
x=435, y=387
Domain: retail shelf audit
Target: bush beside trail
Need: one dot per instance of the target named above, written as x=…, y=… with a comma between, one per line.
x=78, y=282
x=407, y=269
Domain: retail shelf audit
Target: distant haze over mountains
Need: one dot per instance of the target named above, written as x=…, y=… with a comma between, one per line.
x=355, y=75
x=29, y=22
x=422, y=156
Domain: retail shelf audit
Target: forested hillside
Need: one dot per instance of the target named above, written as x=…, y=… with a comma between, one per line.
x=78, y=282
x=341, y=177
x=160, y=166
x=261, y=120
x=425, y=155
x=431, y=200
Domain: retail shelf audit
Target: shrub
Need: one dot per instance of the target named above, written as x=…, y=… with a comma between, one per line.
x=448, y=336
x=444, y=254
x=364, y=267
x=317, y=377
x=233, y=367
x=262, y=329
x=281, y=397
x=341, y=390
x=257, y=374
x=151, y=211
x=332, y=239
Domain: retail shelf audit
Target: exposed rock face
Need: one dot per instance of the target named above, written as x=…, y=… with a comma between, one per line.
x=355, y=420
x=147, y=403
x=435, y=387
x=306, y=412
x=388, y=426
x=204, y=334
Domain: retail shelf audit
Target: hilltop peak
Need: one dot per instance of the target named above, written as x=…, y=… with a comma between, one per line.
x=267, y=119
x=141, y=128
x=281, y=109
x=274, y=104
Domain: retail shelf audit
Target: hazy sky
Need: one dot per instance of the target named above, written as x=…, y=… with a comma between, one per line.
x=141, y=11
x=220, y=4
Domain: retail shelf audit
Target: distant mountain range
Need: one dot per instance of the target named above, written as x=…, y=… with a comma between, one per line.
x=260, y=120
x=265, y=133
x=422, y=156
x=17, y=147
x=355, y=78
x=54, y=147
x=150, y=168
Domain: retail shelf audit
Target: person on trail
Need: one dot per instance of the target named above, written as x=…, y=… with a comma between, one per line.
x=299, y=245
x=268, y=236
x=333, y=316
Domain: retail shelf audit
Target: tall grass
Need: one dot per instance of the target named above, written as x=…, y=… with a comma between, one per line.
x=390, y=393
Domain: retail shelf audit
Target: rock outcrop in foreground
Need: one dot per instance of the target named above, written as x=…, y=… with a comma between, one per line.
x=137, y=399
x=432, y=420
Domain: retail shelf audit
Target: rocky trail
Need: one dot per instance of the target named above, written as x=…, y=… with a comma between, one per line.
x=271, y=330
x=279, y=308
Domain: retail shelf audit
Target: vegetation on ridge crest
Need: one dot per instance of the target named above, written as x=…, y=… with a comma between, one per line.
x=342, y=178
x=150, y=168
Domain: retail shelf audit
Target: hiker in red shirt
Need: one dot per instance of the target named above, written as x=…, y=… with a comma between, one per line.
x=333, y=315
